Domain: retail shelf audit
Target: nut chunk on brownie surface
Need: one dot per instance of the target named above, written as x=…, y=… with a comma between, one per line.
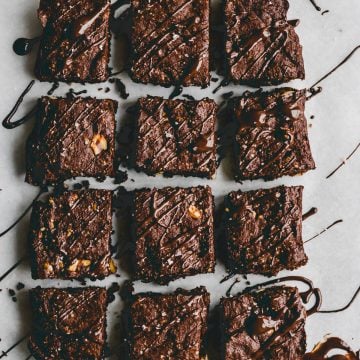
x=174, y=235
x=72, y=137
x=263, y=230
x=170, y=326
x=272, y=138
x=75, y=45
x=170, y=42
x=268, y=324
x=71, y=236
x=176, y=137
x=262, y=47
x=68, y=324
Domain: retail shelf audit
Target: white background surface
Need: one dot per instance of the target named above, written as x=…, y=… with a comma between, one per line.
x=333, y=258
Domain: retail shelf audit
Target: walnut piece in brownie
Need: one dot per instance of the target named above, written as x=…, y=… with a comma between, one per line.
x=264, y=230
x=267, y=324
x=75, y=45
x=174, y=235
x=170, y=326
x=176, y=137
x=170, y=42
x=70, y=236
x=68, y=324
x=262, y=47
x=272, y=138
x=72, y=137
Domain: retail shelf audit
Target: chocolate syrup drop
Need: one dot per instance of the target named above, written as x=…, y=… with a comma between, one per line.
x=311, y=212
x=120, y=87
x=53, y=88
x=23, y=46
x=7, y=123
x=323, y=348
x=176, y=92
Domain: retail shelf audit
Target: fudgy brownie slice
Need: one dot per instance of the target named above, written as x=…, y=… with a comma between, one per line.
x=170, y=42
x=174, y=235
x=70, y=236
x=267, y=324
x=176, y=137
x=272, y=138
x=262, y=47
x=263, y=230
x=75, y=45
x=72, y=137
x=170, y=326
x=68, y=324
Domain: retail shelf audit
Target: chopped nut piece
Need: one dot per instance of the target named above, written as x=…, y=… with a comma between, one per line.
x=85, y=262
x=48, y=268
x=98, y=144
x=73, y=266
x=194, y=212
x=112, y=266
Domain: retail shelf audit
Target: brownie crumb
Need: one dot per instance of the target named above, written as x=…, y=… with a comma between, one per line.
x=20, y=286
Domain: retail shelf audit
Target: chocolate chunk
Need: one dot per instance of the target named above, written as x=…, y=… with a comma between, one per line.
x=263, y=230
x=72, y=137
x=176, y=137
x=75, y=46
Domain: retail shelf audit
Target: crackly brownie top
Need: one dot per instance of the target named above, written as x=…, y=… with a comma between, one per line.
x=174, y=233
x=262, y=47
x=168, y=326
x=176, y=136
x=68, y=324
x=170, y=42
x=75, y=42
x=70, y=235
x=72, y=137
x=267, y=324
x=263, y=230
x=272, y=137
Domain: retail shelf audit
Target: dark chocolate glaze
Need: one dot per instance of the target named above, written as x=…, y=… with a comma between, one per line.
x=344, y=161
x=7, y=123
x=23, y=46
x=323, y=348
x=324, y=230
x=311, y=212
x=344, y=307
x=42, y=191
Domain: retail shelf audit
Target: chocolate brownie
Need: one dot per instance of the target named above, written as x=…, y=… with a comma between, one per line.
x=70, y=236
x=272, y=138
x=268, y=324
x=75, y=45
x=72, y=137
x=68, y=324
x=176, y=137
x=174, y=235
x=170, y=42
x=170, y=326
x=263, y=230
x=262, y=47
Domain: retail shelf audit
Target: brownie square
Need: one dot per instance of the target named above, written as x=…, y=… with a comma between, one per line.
x=170, y=326
x=75, y=45
x=70, y=236
x=262, y=47
x=68, y=323
x=264, y=230
x=174, y=235
x=268, y=324
x=170, y=42
x=176, y=137
x=272, y=138
x=72, y=137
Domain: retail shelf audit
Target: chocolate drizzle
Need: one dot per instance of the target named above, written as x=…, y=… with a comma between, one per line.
x=324, y=230
x=311, y=212
x=53, y=88
x=344, y=161
x=5, y=353
x=42, y=191
x=6, y=273
x=344, y=307
x=315, y=5
x=23, y=46
x=7, y=123
x=323, y=348
x=305, y=296
x=228, y=291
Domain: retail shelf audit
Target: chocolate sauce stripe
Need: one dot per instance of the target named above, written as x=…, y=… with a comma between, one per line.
x=12, y=347
x=12, y=268
x=324, y=230
x=344, y=307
